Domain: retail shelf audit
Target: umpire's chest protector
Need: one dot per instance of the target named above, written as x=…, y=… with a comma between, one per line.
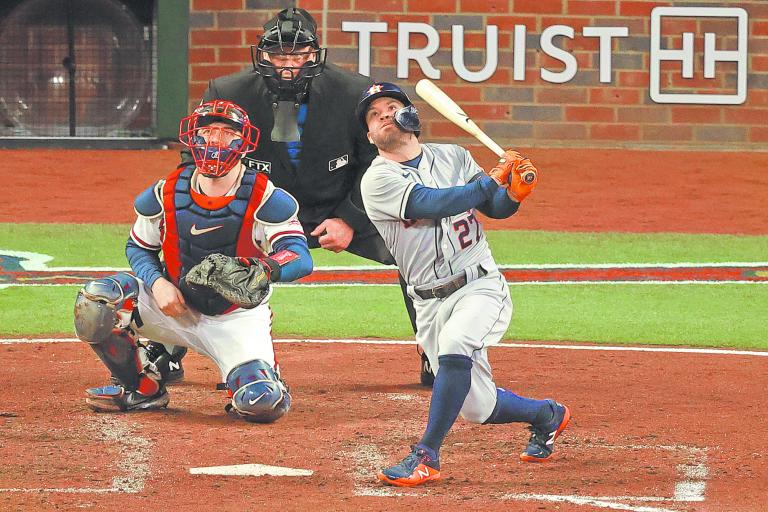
x=197, y=225
x=332, y=139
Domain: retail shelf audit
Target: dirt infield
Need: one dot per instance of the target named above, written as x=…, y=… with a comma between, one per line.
x=677, y=432
x=652, y=432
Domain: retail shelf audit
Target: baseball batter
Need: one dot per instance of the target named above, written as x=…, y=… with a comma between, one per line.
x=423, y=198
x=225, y=232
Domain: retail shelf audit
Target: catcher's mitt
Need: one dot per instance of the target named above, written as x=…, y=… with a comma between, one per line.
x=241, y=281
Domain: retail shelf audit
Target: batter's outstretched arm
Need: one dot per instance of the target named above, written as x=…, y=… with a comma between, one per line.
x=500, y=206
x=437, y=203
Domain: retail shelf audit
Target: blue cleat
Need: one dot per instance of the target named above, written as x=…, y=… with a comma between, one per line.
x=416, y=469
x=542, y=441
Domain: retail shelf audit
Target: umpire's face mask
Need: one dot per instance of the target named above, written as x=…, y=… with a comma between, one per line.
x=291, y=79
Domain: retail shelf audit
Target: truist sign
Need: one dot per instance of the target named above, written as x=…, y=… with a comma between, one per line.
x=713, y=54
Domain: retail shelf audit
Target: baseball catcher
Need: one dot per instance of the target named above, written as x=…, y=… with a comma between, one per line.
x=225, y=233
x=311, y=145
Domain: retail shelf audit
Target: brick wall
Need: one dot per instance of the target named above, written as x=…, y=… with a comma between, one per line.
x=532, y=112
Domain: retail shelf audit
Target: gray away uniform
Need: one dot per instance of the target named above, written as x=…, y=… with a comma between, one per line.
x=431, y=253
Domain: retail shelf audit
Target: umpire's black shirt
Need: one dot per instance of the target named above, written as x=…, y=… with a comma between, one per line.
x=335, y=150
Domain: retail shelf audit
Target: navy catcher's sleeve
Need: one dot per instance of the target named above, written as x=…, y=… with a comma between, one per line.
x=297, y=268
x=437, y=203
x=144, y=263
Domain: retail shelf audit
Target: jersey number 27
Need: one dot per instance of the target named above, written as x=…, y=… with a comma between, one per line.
x=464, y=227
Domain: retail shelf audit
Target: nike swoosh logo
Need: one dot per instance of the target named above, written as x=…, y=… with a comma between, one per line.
x=196, y=231
x=253, y=401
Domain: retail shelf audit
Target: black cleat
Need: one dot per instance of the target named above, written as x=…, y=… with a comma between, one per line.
x=117, y=398
x=427, y=376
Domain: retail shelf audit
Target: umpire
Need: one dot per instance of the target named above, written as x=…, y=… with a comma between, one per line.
x=311, y=143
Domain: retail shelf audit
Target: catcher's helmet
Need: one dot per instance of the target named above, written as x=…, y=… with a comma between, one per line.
x=216, y=156
x=407, y=118
x=292, y=31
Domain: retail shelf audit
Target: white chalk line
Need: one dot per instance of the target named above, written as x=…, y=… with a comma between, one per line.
x=690, y=488
x=41, y=265
x=132, y=458
x=608, y=348
x=38, y=262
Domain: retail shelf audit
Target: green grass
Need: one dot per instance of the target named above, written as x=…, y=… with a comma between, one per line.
x=71, y=245
x=104, y=244
x=583, y=248
x=649, y=314
x=725, y=315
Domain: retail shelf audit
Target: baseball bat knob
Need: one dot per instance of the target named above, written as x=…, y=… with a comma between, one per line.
x=528, y=177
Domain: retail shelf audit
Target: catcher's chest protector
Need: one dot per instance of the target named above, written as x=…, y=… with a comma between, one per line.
x=196, y=227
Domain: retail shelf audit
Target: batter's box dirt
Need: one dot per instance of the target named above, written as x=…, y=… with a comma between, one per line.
x=653, y=473
x=660, y=477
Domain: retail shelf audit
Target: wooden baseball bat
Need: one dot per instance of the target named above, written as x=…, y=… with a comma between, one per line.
x=443, y=103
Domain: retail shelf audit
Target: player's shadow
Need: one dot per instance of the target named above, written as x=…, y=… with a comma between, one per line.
x=210, y=418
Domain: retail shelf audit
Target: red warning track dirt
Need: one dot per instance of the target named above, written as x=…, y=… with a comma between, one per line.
x=580, y=189
x=748, y=273
x=678, y=432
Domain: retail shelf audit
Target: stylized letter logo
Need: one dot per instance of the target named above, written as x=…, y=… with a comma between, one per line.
x=711, y=55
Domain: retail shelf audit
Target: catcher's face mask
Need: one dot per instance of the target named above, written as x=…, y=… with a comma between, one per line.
x=219, y=134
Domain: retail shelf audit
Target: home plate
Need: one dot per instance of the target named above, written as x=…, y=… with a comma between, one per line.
x=250, y=470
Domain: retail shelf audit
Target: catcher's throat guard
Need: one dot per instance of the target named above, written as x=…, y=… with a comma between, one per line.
x=218, y=134
x=258, y=393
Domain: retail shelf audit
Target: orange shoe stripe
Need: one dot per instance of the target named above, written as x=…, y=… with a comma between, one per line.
x=420, y=475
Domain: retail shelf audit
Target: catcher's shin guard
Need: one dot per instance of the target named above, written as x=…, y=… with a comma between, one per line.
x=258, y=393
x=103, y=312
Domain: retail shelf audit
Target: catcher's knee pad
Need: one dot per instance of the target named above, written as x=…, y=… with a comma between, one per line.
x=103, y=305
x=103, y=311
x=258, y=394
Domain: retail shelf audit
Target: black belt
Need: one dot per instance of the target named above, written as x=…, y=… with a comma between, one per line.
x=446, y=289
